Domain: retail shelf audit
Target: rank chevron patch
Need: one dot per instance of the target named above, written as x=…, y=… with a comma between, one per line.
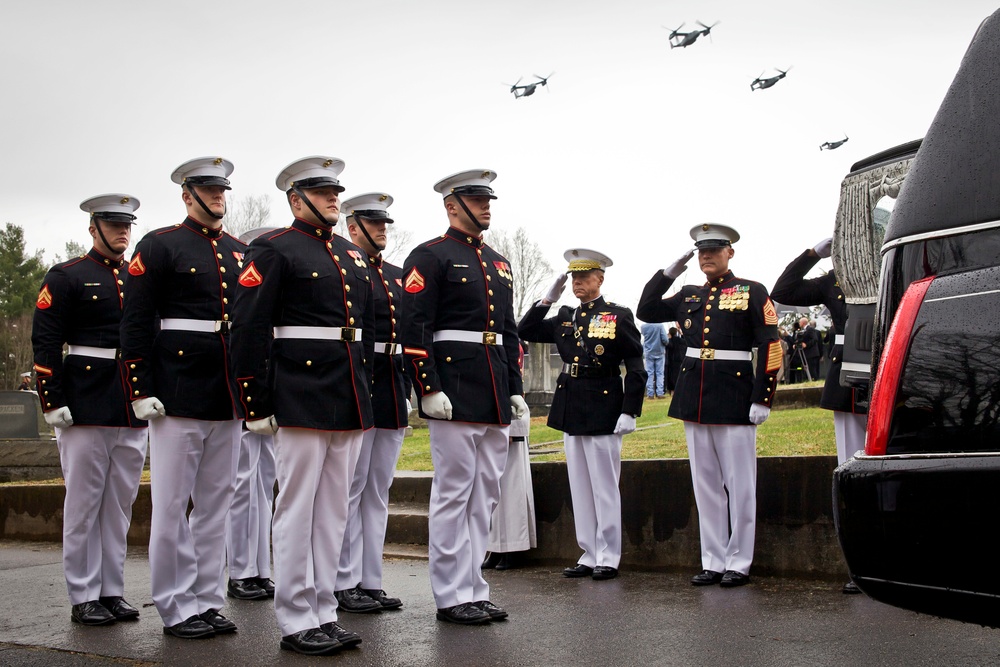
x=770, y=315
x=136, y=267
x=44, y=298
x=414, y=281
x=251, y=277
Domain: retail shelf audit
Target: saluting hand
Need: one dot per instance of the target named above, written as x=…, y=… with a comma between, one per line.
x=677, y=268
x=823, y=248
x=556, y=290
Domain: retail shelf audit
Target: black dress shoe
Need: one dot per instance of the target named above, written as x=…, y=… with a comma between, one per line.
x=267, y=585
x=121, y=610
x=356, y=601
x=466, y=613
x=506, y=562
x=733, y=578
x=219, y=623
x=491, y=561
x=383, y=599
x=578, y=571
x=706, y=578
x=193, y=628
x=91, y=613
x=310, y=642
x=496, y=613
x=344, y=637
x=245, y=589
x=602, y=572
x=851, y=588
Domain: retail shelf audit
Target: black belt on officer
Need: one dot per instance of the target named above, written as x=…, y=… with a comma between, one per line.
x=583, y=371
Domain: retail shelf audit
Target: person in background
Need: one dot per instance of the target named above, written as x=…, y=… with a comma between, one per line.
x=654, y=351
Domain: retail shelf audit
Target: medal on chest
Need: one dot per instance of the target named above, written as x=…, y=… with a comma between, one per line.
x=736, y=297
x=602, y=325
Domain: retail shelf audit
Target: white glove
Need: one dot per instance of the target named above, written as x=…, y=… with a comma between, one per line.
x=519, y=406
x=823, y=247
x=436, y=405
x=266, y=426
x=758, y=413
x=556, y=290
x=59, y=418
x=409, y=406
x=625, y=425
x=148, y=408
x=677, y=268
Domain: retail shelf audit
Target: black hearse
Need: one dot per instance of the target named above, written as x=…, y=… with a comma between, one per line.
x=917, y=512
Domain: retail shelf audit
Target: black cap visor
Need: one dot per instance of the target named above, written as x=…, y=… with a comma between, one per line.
x=318, y=182
x=376, y=215
x=202, y=181
x=115, y=217
x=713, y=243
x=474, y=191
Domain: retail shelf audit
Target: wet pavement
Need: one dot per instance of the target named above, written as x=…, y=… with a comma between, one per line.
x=641, y=618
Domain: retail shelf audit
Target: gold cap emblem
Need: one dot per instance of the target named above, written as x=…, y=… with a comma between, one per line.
x=218, y=160
x=383, y=197
x=486, y=174
x=327, y=163
x=124, y=200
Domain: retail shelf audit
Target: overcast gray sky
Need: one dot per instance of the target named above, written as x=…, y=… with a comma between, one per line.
x=633, y=144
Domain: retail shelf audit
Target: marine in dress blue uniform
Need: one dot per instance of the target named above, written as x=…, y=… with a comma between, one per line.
x=794, y=289
x=359, y=579
x=460, y=346
x=592, y=406
x=175, y=342
x=248, y=528
x=311, y=290
x=102, y=445
x=719, y=396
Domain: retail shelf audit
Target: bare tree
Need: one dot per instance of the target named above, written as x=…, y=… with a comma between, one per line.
x=73, y=250
x=398, y=243
x=530, y=268
x=247, y=212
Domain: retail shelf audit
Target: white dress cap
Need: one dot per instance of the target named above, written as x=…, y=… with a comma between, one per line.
x=582, y=259
x=116, y=204
x=712, y=235
x=204, y=171
x=475, y=182
x=315, y=171
x=372, y=205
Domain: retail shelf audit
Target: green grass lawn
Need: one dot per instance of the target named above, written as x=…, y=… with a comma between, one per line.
x=805, y=432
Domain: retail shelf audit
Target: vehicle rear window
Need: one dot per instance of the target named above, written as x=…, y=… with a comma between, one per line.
x=949, y=397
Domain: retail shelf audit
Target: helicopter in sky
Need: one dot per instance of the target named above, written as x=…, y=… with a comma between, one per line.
x=760, y=84
x=686, y=39
x=831, y=145
x=528, y=88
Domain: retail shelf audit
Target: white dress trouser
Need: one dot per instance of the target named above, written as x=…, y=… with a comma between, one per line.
x=849, y=430
x=315, y=469
x=190, y=459
x=594, y=464
x=724, y=457
x=468, y=461
x=512, y=526
x=101, y=466
x=368, y=510
x=248, y=531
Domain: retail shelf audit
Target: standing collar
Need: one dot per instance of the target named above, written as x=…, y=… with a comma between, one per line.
x=464, y=237
x=595, y=303
x=725, y=277
x=104, y=260
x=201, y=229
x=315, y=231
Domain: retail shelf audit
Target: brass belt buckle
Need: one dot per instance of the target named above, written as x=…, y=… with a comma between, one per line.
x=707, y=353
x=489, y=338
x=390, y=348
x=347, y=334
x=574, y=370
x=222, y=326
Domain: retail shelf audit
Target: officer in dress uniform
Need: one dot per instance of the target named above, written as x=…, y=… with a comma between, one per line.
x=460, y=345
x=359, y=579
x=179, y=379
x=102, y=446
x=719, y=396
x=592, y=406
x=248, y=528
x=792, y=288
x=311, y=387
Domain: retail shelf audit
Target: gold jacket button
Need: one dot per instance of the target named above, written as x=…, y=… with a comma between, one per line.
x=309, y=362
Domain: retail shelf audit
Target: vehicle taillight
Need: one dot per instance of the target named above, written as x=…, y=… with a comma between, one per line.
x=890, y=367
